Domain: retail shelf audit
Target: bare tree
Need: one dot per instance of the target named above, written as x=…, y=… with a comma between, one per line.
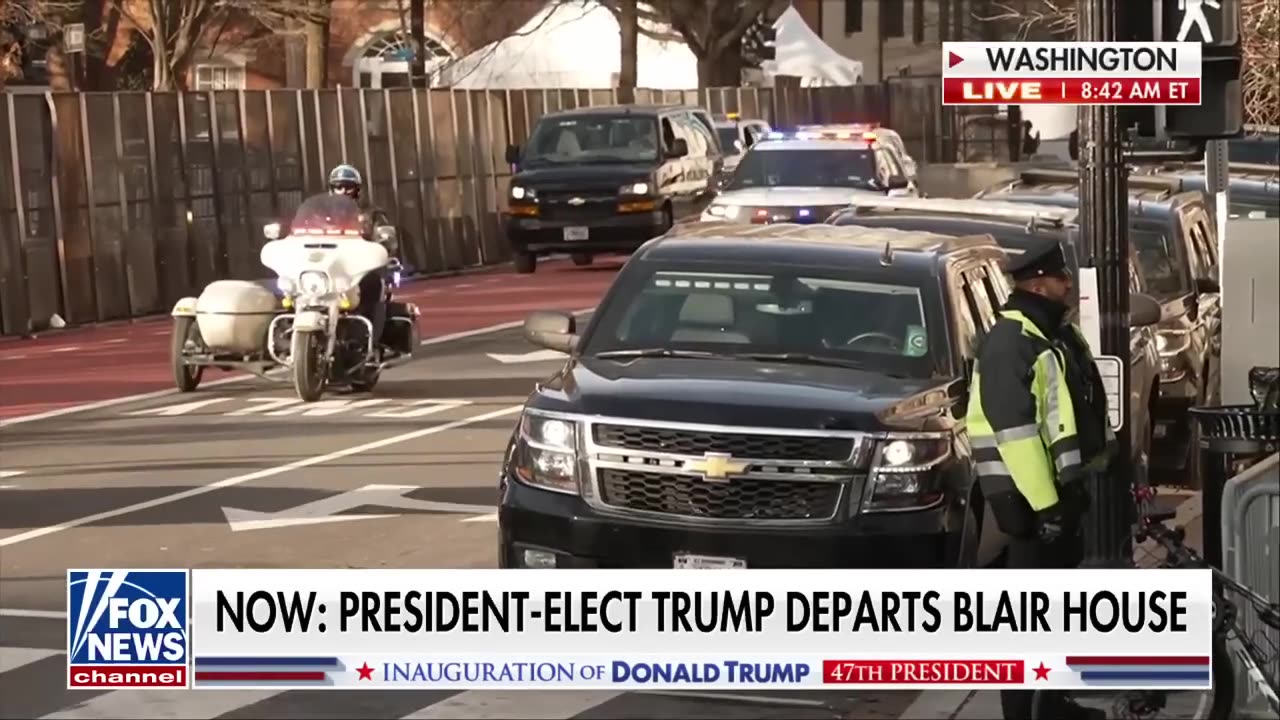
x=174, y=31
x=629, y=67
x=1259, y=27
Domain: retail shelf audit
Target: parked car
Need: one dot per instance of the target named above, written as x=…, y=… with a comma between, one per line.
x=606, y=179
x=1014, y=226
x=885, y=136
x=803, y=177
x=1253, y=190
x=1176, y=243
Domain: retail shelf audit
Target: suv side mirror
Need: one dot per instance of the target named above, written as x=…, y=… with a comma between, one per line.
x=739, y=146
x=552, y=329
x=513, y=154
x=1144, y=310
x=679, y=148
x=386, y=236
x=1208, y=285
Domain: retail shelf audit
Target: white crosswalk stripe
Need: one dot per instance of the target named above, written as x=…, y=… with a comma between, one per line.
x=176, y=704
x=12, y=658
x=495, y=705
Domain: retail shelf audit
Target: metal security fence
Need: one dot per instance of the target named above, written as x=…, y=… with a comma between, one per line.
x=114, y=205
x=1251, y=556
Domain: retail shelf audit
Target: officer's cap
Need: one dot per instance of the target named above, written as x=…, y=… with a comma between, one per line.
x=1041, y=257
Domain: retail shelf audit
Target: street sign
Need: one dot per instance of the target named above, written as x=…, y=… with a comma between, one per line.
x=1112, y=372
x=326, y=510
x=1216, y=23
x=73, y=38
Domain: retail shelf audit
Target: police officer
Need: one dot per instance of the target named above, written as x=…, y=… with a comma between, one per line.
x=345, y=180
x=1037, y=420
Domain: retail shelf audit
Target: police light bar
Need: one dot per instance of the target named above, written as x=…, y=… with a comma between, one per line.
x=732, y=116
x=821, y=135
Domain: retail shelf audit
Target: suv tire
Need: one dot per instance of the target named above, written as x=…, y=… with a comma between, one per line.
x=525, y=262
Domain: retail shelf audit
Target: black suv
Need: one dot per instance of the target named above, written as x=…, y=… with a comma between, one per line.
x=1175, y=239
x=764, y=396
x=1014, y=227
x=606, y=179
x=1254, y=189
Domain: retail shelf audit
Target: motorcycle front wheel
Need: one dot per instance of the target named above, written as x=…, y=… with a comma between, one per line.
x=306, y=351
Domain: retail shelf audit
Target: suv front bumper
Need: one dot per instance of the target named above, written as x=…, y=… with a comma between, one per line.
x=622, y=232
x=578, y=536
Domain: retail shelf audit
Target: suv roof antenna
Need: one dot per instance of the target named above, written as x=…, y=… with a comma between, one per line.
x=886, y=258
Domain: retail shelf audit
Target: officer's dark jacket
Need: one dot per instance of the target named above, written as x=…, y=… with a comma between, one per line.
x=1037, y=413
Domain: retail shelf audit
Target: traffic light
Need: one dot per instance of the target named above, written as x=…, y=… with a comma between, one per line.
x=1216, y=25
x=768, y=43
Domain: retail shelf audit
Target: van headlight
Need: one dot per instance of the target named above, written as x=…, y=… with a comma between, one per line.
x=1172, y=342
x=905, y=472
x=523, y=193
x=313, y=283
x=640, y=188
x=546, y=453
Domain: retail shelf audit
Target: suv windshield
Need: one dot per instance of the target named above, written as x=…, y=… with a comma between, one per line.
x=816, y=315
x=327, y=213
x=843, y=168
x=593, y=138
x=1159, y=260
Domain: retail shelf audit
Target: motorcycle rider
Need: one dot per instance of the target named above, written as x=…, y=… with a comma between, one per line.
x=345, y=180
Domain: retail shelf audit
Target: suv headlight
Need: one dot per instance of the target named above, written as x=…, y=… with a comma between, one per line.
x=546, y=454
x=640, y=188
x=523, y=193
x=313, y=282
x=728, y=212
x=1172, y=342
x=905, y=472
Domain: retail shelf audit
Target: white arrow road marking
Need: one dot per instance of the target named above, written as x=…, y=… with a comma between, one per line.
x=322, y=408
x=326, y=509
x=182, y=409
x=420, y=408
x=535, y=356
x=12, y=658
x=5, y=474
x=491, y=517
x=264, y=405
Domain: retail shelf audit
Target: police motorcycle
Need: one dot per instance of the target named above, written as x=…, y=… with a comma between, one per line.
x=309, y=324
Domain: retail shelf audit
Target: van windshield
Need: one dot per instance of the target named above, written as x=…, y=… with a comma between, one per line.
x=593, y=139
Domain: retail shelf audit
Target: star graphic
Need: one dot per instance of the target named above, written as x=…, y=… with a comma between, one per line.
x=366, y=672
x=1042, y=672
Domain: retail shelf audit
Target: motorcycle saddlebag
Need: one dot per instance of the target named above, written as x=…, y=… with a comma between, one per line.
x=233, y=315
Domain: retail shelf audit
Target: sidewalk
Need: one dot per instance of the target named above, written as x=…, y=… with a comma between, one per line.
x=985, y=704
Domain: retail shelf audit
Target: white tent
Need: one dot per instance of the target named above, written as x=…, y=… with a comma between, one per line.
x=802, y=53
x=578, y=45
x=571, y=45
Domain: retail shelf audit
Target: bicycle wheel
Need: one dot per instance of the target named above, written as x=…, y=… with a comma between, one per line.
x=1213, y=704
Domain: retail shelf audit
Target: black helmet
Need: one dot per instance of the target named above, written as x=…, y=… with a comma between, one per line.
x=346, y=180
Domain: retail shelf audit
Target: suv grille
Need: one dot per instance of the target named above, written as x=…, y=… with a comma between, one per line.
x=739, y=499
x=739, y=445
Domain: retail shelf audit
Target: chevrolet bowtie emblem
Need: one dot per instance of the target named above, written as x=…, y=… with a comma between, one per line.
x=576, y=201
x=716, y=467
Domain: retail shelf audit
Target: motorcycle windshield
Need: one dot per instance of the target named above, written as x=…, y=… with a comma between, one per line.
x=327, y=215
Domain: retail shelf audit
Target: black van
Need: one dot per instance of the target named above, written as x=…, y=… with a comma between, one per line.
x=606, y=179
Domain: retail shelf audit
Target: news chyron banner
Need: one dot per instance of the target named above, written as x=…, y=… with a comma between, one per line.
x=1070, y=73
x=639, y=629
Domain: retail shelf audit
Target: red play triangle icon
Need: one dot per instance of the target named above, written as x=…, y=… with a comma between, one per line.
x=953, y=59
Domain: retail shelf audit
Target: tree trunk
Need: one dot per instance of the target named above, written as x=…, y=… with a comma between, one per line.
x=629, y=27
x=317, y=47
x=724, y=70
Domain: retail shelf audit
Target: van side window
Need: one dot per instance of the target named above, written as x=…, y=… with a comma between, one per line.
x=668, y=134
x=993, y=283
x=703, y=144
x=1206, y=243
x=983, y=308
x=965, y=315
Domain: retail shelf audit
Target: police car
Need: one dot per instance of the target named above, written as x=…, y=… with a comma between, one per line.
x=889, y=138
x=805, y=176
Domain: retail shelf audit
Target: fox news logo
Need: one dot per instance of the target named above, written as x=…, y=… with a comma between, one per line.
x=126, y=628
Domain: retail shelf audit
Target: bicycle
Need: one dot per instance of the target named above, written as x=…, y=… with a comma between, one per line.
x=1229, y=640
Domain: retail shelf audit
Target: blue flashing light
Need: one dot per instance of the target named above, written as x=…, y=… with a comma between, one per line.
x=774, y=135
x=804, y=212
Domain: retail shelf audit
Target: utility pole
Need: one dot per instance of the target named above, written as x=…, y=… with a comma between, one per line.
x=418, y=39
x=1104, y=226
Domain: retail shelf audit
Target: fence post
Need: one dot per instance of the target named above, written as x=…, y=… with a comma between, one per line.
x=315, y=108
x=86, y=155
x=424, y=209
x=342, y=128
x=364, y=139
x=434, y=191
x=215, y=163
x=123, y=194
x=300, y=114
x=20, y=247
x=271, y=156
x=55, y=196
x=391, y=150
x=154, y=191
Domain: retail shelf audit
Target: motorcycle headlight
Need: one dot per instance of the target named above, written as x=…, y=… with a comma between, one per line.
x=640, y=188
x=546, y=453
x=905, y=473
x=313, y=282
x=285, y=285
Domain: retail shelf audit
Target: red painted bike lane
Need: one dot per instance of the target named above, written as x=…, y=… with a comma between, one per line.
x=63, y=369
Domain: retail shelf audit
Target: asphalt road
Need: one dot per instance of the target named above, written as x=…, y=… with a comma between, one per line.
x=237, y=473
